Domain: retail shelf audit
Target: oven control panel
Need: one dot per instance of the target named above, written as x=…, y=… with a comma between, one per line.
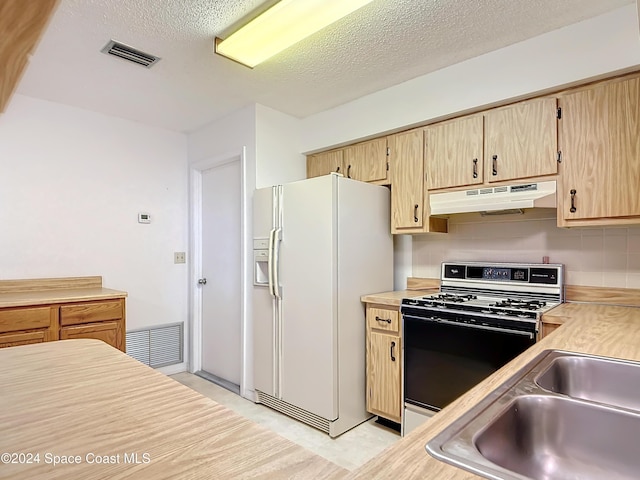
x=547, y=274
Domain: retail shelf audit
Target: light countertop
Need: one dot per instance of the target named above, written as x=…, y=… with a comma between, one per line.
x=62, y=295
x=394, y=298
x=593, y=329
x=84, y=399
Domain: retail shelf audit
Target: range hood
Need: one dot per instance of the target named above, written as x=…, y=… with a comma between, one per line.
x=495, y=199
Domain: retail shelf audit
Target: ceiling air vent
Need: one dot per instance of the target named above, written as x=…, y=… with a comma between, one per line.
x=129, y=53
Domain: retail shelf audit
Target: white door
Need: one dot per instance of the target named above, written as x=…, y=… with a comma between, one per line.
x=221, y=266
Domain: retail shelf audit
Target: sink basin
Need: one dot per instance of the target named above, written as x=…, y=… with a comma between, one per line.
x=543, y=437
x=563, y=416
x=611, y=382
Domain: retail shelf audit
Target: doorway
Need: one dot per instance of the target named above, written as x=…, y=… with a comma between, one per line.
x=217, y=271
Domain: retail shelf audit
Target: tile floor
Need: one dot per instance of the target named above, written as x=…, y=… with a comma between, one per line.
x=349, y=450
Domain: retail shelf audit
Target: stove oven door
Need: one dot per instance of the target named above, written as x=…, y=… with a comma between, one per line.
x=444, y=359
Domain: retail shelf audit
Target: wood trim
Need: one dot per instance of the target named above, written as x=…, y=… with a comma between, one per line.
x=22, y=24
x=417, y=283
x=604, y=295
x=39, y=284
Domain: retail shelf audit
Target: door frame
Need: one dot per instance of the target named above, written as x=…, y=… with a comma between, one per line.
x=195, y=264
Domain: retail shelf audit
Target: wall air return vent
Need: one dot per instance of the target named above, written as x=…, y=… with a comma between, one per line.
x=156, y=346
x=129, y=53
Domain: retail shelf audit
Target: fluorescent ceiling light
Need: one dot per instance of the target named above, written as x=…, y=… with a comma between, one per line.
x=281, y=26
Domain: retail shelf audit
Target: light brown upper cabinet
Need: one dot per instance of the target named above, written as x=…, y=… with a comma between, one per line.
x=367, y=161
x=600, y=145
x=521, y=140
x=409, y=199
x=453, y=153
x=22, y=24
x=325, y=163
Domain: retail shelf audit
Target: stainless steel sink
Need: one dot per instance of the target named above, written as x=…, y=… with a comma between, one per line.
x=563, y=416
x=612, y=382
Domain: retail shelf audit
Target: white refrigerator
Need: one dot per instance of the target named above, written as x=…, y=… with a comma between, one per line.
x=319, y=245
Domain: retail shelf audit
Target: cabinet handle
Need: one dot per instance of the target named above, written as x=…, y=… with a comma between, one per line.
x=475, y=168
x=573, y=200
x=393, y=357
x=378, y=319
x=415, y=213
x=202, y=281
x=349, y=171
x=495, y=165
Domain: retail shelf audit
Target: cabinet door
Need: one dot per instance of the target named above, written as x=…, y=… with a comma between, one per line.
x=407, y=174
x=521, y=140
x=108, y=332
x=600, y=144
x=454, y=153
x=325, y=163
x=367, y=161
x=23, y=338
x=384, y=395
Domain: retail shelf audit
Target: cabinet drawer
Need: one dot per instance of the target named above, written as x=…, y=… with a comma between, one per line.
x=383, y=319
x=24, y=319
x=22, y=338
x=90, y=312
x=108, y=332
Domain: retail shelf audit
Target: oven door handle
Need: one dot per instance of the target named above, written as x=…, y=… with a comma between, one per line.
x=481, y=327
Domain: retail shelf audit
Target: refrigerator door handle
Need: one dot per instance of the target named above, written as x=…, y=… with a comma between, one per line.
x=272, y=234
x=276, y=264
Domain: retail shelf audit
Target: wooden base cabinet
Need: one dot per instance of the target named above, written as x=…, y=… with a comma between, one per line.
x=101, y=319
x=384, y=362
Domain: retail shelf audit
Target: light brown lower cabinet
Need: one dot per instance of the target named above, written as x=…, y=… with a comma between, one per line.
x=23, y=338
x=384, y=363
x=108, y=332
x=101, y=319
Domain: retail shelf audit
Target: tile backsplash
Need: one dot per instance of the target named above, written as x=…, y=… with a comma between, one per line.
x=603, y=257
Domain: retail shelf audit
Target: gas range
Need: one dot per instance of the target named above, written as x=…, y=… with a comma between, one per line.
x=485, y=315
x=491, y=293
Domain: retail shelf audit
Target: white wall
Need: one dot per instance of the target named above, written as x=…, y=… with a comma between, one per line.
x=71, y=186
x=592, y=256
x=587, y=49
x=278, y=157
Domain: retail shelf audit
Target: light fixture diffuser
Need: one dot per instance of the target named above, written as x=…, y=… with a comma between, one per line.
x=282, y=25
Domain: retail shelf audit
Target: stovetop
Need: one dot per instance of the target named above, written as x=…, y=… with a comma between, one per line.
x=519, y=291
x=498, y=305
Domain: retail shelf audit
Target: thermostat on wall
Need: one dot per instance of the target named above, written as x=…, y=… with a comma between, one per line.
x=144, y=218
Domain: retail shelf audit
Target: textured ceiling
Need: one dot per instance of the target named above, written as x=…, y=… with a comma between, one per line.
x=382, y=44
